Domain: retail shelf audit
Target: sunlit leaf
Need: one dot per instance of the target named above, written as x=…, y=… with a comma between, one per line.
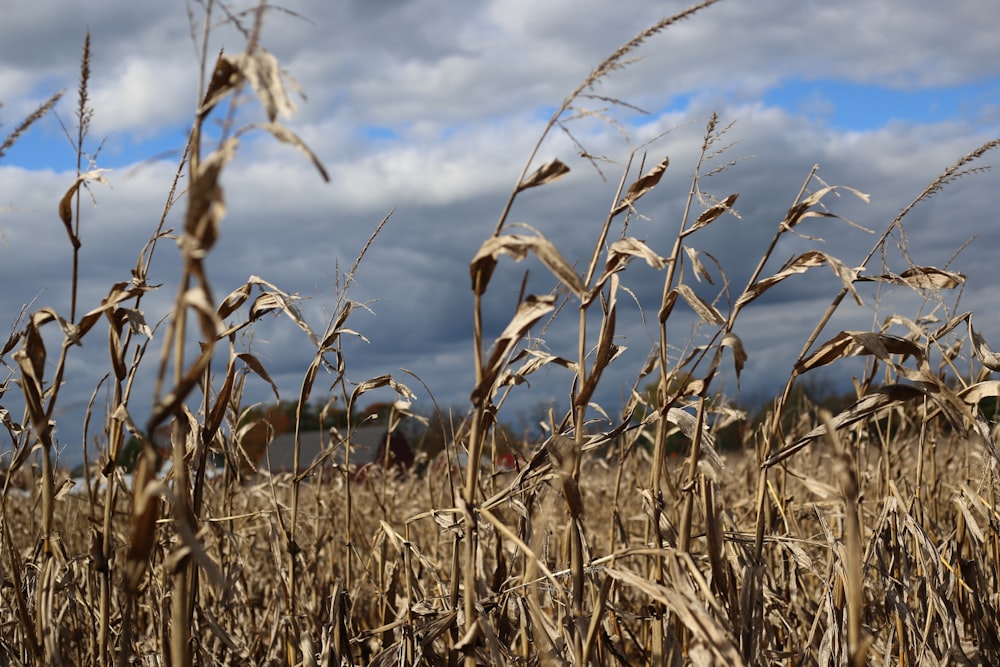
x=801, y=264
x=642, y=186
x=705, y=311
x=518, y=247
x=856, y=343
x=66, y=203
x=550, y=171
x=712, y=214
x=921, y=277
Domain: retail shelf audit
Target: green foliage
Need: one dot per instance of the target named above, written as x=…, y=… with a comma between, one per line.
x=129, y=454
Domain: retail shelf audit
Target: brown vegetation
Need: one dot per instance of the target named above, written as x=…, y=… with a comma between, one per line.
x=865, y=537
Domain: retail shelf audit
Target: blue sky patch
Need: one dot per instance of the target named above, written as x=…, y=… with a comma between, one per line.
x=45, y=146
x=379, y=132
x=853, y=106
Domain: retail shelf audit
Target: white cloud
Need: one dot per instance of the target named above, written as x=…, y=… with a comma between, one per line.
x=143, y=96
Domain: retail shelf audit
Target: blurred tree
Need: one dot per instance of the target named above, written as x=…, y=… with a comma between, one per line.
x=129, y=454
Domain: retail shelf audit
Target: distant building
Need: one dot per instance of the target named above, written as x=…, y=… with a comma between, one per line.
x=368, y=448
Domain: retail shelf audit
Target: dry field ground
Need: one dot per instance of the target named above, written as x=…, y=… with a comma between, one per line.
x=373, y=575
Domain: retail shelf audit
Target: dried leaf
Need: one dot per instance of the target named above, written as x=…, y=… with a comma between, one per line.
x=253, y=363
x=678, y=593
x=233, y=302
x=607, y=351
x=119, y=292
x=801, y=211
x=667, y=306
x=801, y=264
x=699, y=269
x=275, y=299
x=705, y=311
x=986, y=356
x=378, y=382
x=620, y=253
x=641, y=186
x=283, y=134
x=856, y=343
x=550, y=171
x=975, y=393
x=970, y=521
x=206, y=206
x=630, y=246
x=688, y=424
x=532, y=309
x=225, y=77
x=733, y=342
x=536, y=361
x=262, y=72
x=879, y=399
x=136, y=322
x=518, y=246
x=712, y=214
x=921, y=277
x=145, y=512
x=66, y=203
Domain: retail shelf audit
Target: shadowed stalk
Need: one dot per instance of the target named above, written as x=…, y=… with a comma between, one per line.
x=83, y=116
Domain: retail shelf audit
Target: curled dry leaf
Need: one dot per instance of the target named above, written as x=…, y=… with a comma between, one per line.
x=222, y=399
x=382, y=381
x=620, y=253
x=631, y=246
x=921, y=277
x=66, y=203
x=705, y=310
x=606, y=351
x=699, y=269
x=869, y=404
x=550, y=171
x=667, y=306
x=712, y=214
x=980, y=347
x=206, y=205
x=233, y=302
x=801, y=264
x=536, y=360
x=733, y=342
x=641, y=186
x=262, y=72
x=688, y=424
x=973, y=394
x=119, y=292
x=518, y=246
x=532, y=309
x=283, y=134
x=145, y=512
x=986, y=356
x=856, y=343
x=225, y=77
x=801, y=211
x=211, y=326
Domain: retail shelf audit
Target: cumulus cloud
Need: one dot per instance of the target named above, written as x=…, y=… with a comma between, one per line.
x=431, y=108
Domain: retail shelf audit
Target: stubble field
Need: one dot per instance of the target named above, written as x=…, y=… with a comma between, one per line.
x=868, y=536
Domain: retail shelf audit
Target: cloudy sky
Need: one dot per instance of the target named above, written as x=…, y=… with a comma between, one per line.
x=431, y=107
